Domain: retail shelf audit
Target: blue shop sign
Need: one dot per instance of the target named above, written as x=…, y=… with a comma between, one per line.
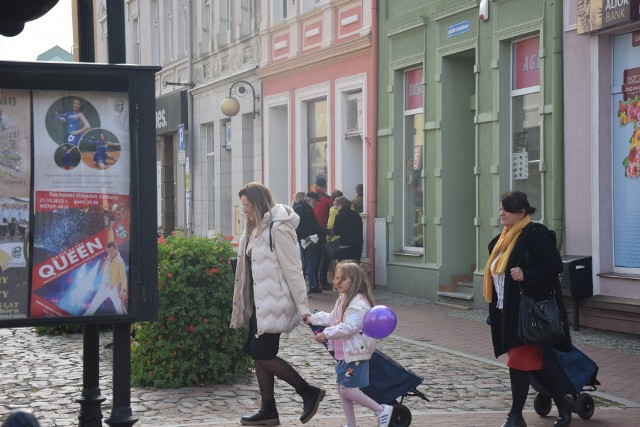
x=457, y=29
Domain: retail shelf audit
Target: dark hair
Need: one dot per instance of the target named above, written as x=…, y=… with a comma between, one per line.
x=343, y=201
x=359, y=189
x=21, y=418
x=111, y=244
x=336, y=194
x=516, y=201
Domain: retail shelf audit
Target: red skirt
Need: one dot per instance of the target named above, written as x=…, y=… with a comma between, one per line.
x=526, y=357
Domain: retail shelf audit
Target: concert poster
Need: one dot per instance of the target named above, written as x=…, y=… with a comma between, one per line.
x=15, y=175
x=82, y=204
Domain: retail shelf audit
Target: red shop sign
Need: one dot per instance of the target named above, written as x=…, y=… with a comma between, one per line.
x=413, y=89
x=526, y=63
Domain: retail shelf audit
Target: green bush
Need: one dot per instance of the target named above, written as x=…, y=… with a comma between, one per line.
x=69, y=329
x=191, y=343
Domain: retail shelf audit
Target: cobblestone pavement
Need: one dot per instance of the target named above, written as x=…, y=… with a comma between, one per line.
x=44, y=375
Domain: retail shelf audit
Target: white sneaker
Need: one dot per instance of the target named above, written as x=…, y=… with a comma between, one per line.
x=384, y=416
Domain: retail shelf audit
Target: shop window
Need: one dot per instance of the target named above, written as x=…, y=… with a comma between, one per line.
x=625, y=123
x=525, y=122
x=317, y=138
x=413, y=159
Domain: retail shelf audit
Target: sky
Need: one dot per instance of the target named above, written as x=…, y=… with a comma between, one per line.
x=40, y=35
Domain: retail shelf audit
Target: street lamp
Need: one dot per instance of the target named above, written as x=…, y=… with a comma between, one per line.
x=230, y=105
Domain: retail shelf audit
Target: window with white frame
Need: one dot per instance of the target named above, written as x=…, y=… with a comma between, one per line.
x=317, y=139
x=246, y=17
x=209, y=140
x=526, y=121
x=278, y=11
x=155, y=37
x=168, y=31
x=181, y=19
x=413, y=153
x=309, y=5
x=224, y=20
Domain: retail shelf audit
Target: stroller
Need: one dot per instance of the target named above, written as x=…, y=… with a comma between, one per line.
x=388, y=382
x=574, y=373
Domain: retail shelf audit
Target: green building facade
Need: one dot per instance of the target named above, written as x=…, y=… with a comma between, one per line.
x=470, y=107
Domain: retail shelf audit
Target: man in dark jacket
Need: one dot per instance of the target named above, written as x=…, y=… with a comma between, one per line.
x=348, y=226
x=308, y=227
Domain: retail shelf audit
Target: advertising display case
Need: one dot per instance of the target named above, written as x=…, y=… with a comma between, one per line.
x=77, y=194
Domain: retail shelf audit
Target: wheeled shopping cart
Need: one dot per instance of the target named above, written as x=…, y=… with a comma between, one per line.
x=389, y=384
x=575, y=374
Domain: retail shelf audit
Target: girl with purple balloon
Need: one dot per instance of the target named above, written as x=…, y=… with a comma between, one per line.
x=352, y=349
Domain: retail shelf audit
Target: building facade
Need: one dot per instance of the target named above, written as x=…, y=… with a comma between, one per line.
x=470, y=107
x=317, y=69
x=203, y=156
x=602, y=145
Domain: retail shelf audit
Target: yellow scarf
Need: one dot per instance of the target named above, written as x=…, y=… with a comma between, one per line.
x=505, y=244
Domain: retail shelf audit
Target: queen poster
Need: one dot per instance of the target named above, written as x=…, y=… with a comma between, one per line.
x=15, y=173
x=82, y=206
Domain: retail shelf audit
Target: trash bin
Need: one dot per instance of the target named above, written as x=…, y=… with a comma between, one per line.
x=576, y=282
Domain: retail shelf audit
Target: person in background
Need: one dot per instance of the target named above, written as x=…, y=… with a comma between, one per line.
x=348, y=226
x=308, y=226
x=356, y=203
x=321, y=209
x=523, y=252
x=270, y=298
x=352, y=349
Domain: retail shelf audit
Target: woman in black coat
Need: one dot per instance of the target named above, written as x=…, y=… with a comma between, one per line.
x=348, y=225
x=523, y=253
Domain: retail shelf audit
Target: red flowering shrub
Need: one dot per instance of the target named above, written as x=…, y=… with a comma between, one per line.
x=191, y=343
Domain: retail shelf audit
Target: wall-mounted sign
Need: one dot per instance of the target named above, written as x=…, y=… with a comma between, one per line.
x=414, y=91
x=526, y=64
x=593, y=15
x=457, y=29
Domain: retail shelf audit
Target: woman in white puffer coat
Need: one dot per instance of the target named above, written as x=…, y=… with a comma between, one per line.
x=270, y=298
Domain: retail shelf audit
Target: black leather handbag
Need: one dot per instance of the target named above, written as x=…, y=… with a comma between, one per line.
x=540, y=322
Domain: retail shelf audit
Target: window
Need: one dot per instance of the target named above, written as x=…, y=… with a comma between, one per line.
x=413, y=152
x=317, y=138
x=526, y=121
x=625, y=167
x=309, y=5
x=135, y=41
x=278, y=11
x=225, y=22
x=155, y=37
x=246, y=17
x=168, y=32
x=208, y=136
x=182, y=31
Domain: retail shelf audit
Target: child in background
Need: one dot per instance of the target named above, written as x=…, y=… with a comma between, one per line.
x=352, y=349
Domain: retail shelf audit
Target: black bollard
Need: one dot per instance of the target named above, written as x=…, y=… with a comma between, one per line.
x=121, y=414
x=90, y=399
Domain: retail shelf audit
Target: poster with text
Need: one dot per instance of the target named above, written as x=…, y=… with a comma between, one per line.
x=626, y=152
x=15, y=175
x=82, y=206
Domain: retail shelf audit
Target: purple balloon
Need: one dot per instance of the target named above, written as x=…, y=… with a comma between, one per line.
x=379, y=322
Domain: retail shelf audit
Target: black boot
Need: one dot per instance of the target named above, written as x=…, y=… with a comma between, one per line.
x=564, y=406
x=266, y=416
x=311, y=399
x=514, y=421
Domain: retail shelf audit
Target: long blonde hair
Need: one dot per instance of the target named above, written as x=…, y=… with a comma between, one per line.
x=359, y=283
x=261, y=201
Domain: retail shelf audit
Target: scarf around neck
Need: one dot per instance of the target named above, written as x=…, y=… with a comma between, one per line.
x=505, y=244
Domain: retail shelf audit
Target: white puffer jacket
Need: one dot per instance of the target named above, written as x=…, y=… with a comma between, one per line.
x=357, y=345
x=279, y=289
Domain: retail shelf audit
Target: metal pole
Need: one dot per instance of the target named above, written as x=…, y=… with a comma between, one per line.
x=90, y=399
x=121, y=413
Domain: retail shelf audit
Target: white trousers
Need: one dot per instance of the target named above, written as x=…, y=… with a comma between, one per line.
x=106, y=291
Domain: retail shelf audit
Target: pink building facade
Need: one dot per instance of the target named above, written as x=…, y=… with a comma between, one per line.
x=318, y=73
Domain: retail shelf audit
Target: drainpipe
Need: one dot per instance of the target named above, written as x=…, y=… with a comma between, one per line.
x=372, y=140
x=190, y=139
x=557, y=121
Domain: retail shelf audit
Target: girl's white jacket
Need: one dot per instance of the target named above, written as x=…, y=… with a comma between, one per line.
x=357, y=345
x=278, y=287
